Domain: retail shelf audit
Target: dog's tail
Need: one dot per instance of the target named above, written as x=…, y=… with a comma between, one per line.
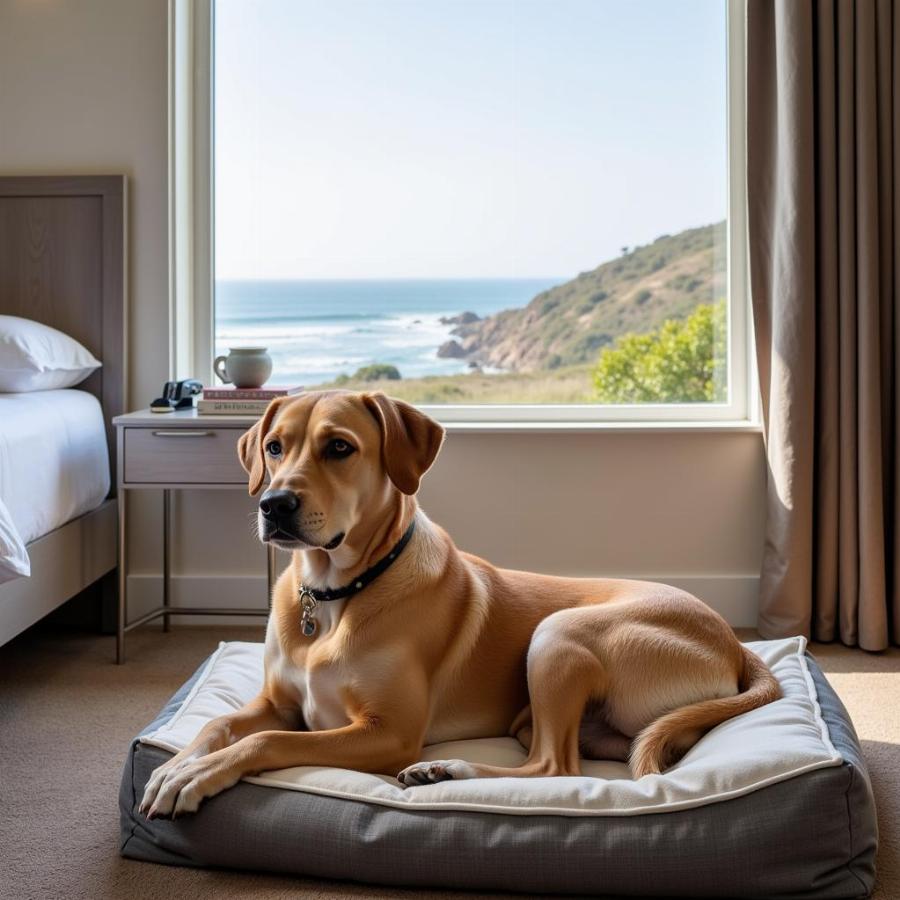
x=666, y=740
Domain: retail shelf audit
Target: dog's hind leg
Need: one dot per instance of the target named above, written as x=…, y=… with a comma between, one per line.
x=564, y=675
x=597, y=739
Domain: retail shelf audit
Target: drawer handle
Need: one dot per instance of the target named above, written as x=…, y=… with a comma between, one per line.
x=180, y=433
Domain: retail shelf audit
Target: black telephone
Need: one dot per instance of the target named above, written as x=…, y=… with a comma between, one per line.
x=177, y=395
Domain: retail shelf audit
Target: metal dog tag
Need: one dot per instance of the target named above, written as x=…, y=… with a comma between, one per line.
x=308, y=605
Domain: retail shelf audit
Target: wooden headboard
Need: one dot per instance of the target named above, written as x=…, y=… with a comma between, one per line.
x=62, y=262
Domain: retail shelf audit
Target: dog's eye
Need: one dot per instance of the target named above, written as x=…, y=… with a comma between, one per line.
x=273, y=448
x=338, y=449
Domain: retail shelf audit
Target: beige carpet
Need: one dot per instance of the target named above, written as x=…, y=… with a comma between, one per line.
x=67, y=714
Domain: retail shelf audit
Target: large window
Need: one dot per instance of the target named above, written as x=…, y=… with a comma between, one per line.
x=517, y=207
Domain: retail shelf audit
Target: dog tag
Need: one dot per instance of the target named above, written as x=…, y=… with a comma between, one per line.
x=308, y=606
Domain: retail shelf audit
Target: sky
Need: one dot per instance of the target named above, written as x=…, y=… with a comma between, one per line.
x=462, y=138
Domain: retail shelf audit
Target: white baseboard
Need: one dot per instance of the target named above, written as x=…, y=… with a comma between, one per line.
x=222, y=591
x=733, y=596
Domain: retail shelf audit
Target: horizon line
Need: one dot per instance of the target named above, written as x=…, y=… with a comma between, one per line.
x=397, y=278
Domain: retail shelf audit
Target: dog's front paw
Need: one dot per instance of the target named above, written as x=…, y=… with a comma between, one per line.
x=177, y=789
x=432, y=772
x=155, y=782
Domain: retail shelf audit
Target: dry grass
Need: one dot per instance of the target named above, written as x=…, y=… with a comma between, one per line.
x=570, y=384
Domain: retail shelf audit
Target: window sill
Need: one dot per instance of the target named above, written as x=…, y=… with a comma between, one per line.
x=649, y=427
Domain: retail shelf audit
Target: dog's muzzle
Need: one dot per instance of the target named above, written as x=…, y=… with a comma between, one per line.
x=279, y=513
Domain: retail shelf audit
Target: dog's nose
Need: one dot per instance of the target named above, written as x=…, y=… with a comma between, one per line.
x=278, y=504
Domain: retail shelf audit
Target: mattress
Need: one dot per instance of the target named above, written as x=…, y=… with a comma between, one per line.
x=54, y=463
x=775, y=803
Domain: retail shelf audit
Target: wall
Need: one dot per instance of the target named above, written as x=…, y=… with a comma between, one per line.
x=683, y=507
x=83, y=89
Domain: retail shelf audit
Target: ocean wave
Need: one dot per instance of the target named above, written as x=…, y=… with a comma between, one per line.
x=267, y=337
x=311, y=357
x=333, y=364
x=313, y=339
x=249, y=318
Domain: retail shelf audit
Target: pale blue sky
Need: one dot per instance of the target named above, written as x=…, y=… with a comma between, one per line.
x=462, y=138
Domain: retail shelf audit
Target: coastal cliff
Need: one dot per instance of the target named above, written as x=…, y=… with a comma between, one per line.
x=570, y=323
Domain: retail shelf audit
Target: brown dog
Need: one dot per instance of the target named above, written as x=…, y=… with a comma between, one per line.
x=432, y=644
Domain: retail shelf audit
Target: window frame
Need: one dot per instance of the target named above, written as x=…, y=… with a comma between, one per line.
x=192, y=250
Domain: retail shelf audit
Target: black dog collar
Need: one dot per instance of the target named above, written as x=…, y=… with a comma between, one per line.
x=310, y=598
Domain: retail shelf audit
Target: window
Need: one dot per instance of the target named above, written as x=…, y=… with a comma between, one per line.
x=502, y=209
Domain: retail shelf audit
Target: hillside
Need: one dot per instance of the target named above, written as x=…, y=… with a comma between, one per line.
x=570, y=323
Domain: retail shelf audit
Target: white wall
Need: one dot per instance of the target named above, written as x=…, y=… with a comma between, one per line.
x=682, y=507
x=83, y=90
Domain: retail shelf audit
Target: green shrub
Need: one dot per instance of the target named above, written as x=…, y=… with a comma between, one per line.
x=377, y=372
x=682, y=361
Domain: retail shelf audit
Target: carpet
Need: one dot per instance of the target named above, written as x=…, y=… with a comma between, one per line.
x=67, y=714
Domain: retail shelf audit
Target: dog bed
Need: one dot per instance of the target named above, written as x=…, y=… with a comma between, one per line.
x=774, y=803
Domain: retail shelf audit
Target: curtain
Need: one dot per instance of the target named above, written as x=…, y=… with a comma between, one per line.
x=823, y=156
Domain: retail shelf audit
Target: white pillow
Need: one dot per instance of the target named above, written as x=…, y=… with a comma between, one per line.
x=35, y=357
x=14, y=559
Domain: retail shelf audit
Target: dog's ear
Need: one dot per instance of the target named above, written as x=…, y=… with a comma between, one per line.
x=250, y=447
x=410, y=440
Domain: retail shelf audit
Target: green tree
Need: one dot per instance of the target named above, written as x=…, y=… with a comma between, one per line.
x=682, y=361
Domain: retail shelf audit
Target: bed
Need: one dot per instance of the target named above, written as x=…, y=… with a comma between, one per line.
x=62, y=263
x=774, y=803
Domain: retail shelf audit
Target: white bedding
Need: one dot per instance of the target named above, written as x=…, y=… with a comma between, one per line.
x=14, y=559
x=770, y=744
x=53, y=459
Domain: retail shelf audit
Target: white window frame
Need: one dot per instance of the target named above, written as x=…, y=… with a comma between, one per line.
x=192, y=251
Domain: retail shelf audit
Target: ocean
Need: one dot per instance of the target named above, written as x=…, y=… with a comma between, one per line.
x=317, y=330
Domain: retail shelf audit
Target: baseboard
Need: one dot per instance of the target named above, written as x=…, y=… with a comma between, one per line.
x=223, y=591
x=733, y=596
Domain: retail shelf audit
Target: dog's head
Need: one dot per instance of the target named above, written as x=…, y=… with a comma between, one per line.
x=333, y=457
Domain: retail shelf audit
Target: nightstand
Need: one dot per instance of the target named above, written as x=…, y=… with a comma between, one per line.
x=168, y=452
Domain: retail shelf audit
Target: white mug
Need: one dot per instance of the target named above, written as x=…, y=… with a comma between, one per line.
x=244, y=367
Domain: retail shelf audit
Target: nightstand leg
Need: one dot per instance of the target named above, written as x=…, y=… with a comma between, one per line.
x=123, y=581
x=167, y=523
x=272, y=574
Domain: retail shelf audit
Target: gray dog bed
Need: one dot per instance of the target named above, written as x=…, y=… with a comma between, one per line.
x=775, y=803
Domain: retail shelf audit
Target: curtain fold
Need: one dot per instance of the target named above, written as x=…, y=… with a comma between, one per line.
x=823, y=108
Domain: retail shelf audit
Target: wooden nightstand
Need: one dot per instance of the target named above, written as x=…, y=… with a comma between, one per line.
x=169, y=451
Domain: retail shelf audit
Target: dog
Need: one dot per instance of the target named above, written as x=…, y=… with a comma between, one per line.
x=384, y=637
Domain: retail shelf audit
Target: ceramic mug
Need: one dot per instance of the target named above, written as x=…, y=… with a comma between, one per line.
x=244, y=367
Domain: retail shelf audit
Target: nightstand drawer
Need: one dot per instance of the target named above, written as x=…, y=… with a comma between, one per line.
x=183, y=456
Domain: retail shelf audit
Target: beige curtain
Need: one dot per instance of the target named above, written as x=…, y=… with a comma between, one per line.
x=823, y=155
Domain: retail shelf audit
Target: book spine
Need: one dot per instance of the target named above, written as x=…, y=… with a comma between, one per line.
x=236, y=394
x=231, y=407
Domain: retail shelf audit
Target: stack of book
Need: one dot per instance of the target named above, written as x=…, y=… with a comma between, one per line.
x=232, y=401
